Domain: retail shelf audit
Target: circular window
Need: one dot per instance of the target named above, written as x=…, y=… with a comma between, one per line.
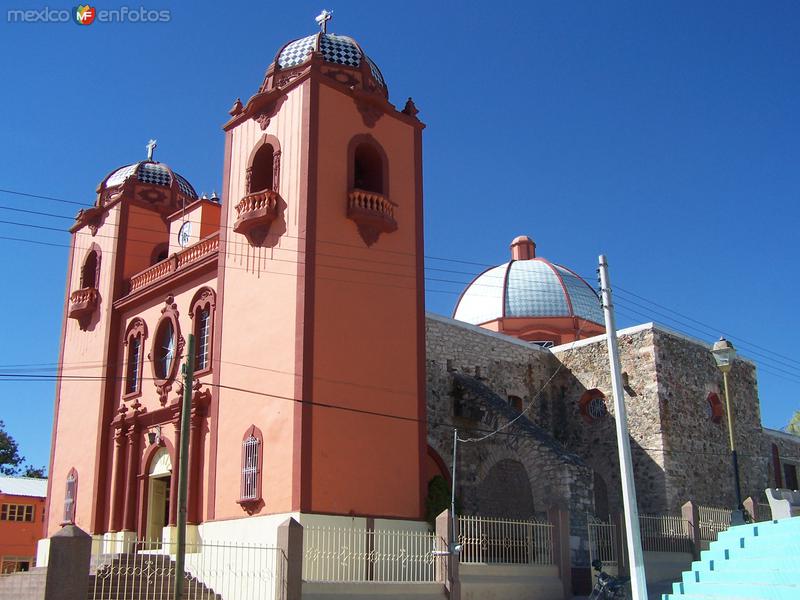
x=597, y=408
x=164, y=355
x=593, y=406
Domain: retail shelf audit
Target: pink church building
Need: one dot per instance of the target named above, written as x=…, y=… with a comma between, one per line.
x=303, y=286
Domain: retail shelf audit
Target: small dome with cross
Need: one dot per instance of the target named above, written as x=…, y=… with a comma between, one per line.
x=335, y=49
x=150, y=172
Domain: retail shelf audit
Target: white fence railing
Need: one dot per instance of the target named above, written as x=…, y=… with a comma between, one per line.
x=358, y=555
x=505, y=541
x=602, y=542
x=712, y=521
x=665, y=533
x=214, y=571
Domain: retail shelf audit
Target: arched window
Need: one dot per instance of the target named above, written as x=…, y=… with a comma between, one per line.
x=135, y=335
x=265, y=167
x=714, y=408
x=368, y=169
x=252, y=461
x=70, y=497
x=90, y=271
x=160, y=252
x=202, y=313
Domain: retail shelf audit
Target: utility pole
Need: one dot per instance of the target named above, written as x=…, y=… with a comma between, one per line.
x=183, y=468
x=631, y=509
x=453, y=525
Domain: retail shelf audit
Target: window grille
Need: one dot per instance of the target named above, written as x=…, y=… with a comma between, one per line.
x=69, y=498
x=134, y=350
x=16, y=512
x=251, y=447
x=203, y=339
x=597, y=408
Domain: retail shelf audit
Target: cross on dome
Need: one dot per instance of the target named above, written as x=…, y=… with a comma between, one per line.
x=151, y=146
x=323, y=18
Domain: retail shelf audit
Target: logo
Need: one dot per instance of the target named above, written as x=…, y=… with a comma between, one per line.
x=84, y=14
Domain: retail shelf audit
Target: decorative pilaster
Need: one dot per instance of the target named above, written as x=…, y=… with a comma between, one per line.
x=194, y=465
x=129, y=516
x=117, y=479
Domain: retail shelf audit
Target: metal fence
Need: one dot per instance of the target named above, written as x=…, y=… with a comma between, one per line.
x=505, y=541
x=358, y=555
x=602, y=542
x=214, y=571
x=712, y=521
x=665, y=533
x=764, y=512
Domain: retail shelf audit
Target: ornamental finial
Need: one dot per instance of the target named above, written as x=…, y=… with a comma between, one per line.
x=151, y=145
x=323, y=18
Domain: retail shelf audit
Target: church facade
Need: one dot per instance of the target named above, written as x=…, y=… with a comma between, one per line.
x=321, y=389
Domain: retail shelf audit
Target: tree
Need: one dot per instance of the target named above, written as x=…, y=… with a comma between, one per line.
x=11, y=461
x=794, y=425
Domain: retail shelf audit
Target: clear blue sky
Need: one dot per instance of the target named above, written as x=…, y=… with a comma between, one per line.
x=664, y=135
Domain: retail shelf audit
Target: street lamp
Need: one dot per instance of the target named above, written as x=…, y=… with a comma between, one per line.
x=724, y=353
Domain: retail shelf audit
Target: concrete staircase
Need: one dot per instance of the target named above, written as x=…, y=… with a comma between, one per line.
x=760, y=561
x=142, y=577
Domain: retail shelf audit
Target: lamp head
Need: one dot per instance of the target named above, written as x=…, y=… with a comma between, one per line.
x=724, y=353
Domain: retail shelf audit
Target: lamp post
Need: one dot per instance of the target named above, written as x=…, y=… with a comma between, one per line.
x=724, y=353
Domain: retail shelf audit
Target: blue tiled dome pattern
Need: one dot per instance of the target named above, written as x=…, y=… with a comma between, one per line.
x=337, y=49
x=585, y=303
x=297, y=52
x=527, y=288
x=534, y=290
x=482, y=301
x=376, y=72
x=153, y=173
x=340, y=50
x=120, y=175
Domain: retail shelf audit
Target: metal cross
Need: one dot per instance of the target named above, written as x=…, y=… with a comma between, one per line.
x=151, y=145
x=323, y=18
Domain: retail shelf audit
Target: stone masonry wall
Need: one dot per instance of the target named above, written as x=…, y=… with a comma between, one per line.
x=595, y=440
x=697, y=457
x=503, y=366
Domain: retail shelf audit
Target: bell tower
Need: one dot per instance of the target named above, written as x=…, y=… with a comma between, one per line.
x=323, y=334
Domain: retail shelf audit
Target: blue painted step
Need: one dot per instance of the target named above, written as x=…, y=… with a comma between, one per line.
x=759, y=561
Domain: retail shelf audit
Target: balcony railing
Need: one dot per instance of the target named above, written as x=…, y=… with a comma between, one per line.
x=372, y=212
x=254, y=214
x=82, y=303
x=176, y=262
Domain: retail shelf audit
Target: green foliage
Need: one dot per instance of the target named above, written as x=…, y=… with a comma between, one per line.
x=794, y=425
x=438, y=499
x=11, y=461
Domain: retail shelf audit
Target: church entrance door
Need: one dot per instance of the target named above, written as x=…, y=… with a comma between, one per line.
x=158, y=494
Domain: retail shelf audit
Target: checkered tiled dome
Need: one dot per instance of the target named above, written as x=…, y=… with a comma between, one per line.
x=338, y=49
x=148, y=171
x=528, y=288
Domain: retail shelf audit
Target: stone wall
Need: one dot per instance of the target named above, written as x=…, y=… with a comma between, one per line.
x=471, y=373
x=788, y=447
x=586, y=367
x=570, y=457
